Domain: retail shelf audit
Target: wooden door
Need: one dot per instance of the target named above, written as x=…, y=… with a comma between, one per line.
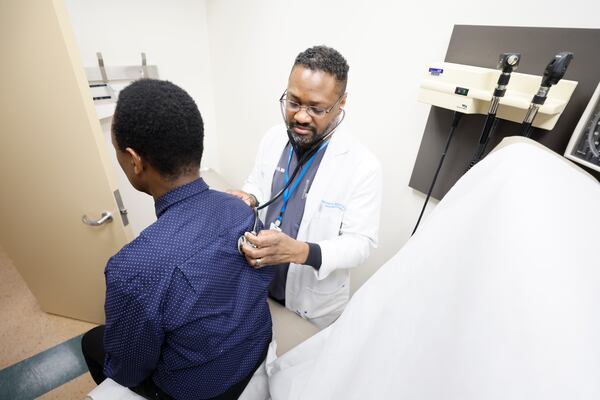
x=54, y=165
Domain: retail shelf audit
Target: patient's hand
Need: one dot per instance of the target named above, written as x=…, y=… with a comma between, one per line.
x=273, y=247
x=246, y=197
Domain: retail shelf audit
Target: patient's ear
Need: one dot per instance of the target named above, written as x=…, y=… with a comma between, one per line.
x=136, y=161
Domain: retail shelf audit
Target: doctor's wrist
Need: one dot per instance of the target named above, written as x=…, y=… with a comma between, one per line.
x=301, y=252
x=314, y=258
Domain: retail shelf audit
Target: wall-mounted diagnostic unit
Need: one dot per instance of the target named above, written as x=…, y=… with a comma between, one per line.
x=584, y=146
x=469, y=89
x=501, y=94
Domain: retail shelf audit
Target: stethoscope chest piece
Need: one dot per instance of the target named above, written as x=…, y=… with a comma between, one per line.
x=242, y=239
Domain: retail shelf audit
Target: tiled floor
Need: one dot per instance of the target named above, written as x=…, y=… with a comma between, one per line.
x=26, y=331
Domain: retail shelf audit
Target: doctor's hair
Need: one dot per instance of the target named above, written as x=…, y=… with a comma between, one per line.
x=162, y=123
x=326, y=59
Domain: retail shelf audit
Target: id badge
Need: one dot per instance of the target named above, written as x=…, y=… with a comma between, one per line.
x=274, y=227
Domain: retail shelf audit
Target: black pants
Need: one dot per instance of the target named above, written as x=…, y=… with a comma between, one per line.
x=92, y=346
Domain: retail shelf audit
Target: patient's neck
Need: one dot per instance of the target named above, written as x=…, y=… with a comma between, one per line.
x=159, y=185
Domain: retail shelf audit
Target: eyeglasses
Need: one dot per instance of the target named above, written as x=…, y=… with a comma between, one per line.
x=314, y=111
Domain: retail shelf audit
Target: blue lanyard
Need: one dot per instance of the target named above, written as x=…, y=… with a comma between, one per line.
x=287, y=194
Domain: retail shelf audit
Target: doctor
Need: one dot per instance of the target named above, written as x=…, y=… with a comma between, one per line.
x=328, y=219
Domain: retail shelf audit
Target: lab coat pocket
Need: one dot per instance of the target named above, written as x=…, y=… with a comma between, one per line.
x=327, y=222
x=327, y=302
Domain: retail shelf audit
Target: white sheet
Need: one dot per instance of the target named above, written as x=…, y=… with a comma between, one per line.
x=495, y=297
x=110, y=389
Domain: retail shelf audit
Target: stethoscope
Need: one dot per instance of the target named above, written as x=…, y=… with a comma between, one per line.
x=306, y=157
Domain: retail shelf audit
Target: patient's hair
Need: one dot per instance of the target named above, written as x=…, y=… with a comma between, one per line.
x=161, y=122
x=326, y=59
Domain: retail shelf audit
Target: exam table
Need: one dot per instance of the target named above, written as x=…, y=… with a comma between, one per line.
x=495, y=297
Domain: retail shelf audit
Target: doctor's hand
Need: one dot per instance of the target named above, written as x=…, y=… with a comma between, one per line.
x=247, y=198
x=273, y=247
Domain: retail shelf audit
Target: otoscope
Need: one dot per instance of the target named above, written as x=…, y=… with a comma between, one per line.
x=554, y=72
x=508, y=63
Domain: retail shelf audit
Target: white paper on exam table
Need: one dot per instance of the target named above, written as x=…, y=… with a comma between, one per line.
x=495, y=297
x=110, y=389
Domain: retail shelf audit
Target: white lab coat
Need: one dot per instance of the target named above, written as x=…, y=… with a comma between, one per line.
x=341, y=215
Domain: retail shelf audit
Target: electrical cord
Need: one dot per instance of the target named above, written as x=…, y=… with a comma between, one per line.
x=482, y=145
x=455, y=120
x=527, y=130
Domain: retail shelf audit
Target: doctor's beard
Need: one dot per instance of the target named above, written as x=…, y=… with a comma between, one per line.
x=303, y=142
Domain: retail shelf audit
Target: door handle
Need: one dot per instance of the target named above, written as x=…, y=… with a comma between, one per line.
x=104, y=219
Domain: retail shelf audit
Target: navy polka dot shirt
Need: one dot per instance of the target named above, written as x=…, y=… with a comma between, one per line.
x=182, y=305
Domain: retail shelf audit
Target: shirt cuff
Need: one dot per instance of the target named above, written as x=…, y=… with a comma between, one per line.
x=314, y=256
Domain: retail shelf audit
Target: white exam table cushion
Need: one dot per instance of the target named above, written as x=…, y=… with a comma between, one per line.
x=495, y=297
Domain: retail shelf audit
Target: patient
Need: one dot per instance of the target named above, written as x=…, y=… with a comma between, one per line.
x=185, y=316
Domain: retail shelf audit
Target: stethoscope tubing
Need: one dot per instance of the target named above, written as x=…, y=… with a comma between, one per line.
x=301, y=162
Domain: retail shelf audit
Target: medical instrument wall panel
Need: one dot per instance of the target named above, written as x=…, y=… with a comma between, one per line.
x=469, y=89
x=479, y=46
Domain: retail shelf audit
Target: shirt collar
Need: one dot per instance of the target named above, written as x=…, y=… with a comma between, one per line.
x=178, y=194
